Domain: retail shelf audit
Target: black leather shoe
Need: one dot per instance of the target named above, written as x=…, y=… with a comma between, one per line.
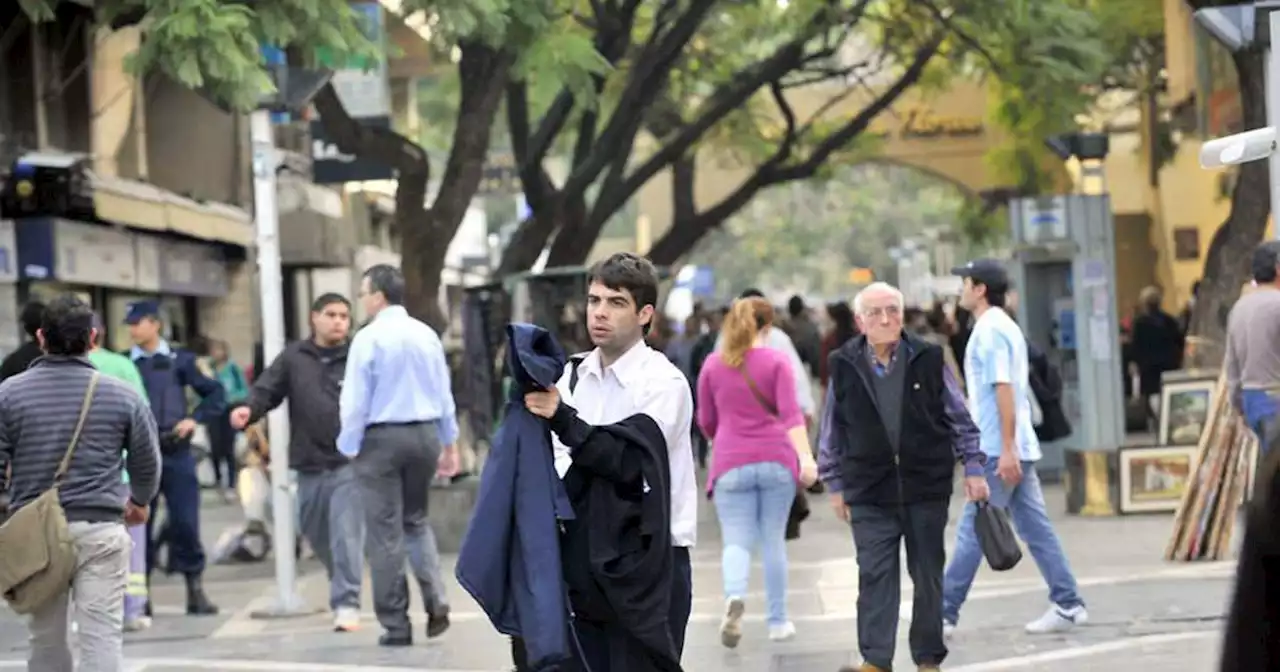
x=388, y=639
x=437, y=623
x=198, y=603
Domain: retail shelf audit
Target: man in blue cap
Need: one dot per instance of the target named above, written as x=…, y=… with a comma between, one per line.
x=167, y=372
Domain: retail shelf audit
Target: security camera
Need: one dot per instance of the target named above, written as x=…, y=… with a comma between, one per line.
x=1239, y=148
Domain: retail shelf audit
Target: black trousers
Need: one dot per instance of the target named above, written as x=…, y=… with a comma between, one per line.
x=222, y=450
x=595, y=640
x=877, y=535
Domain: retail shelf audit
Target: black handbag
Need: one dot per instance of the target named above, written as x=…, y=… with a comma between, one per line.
x=996, y=537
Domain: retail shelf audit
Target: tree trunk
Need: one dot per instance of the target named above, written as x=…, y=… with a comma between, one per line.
x=1226, y=266
x=687, y=229
x=576, y=236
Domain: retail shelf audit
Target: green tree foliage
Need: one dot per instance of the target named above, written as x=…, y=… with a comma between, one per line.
x=215, y=47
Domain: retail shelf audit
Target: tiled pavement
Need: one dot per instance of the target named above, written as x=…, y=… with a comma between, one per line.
x=1146, y=614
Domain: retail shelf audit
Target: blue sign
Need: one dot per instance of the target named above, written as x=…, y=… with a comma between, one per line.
x=34, y=240
x=273, y=56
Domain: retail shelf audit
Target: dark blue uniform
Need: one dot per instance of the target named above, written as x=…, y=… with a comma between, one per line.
x=167, y=373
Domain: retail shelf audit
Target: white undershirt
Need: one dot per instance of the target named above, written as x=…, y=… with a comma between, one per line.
x=643, y=381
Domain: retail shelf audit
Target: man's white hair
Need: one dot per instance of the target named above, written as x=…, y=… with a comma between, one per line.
x=877, y=288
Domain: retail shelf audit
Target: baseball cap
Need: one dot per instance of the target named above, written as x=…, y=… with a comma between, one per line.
x=141, y=309
x=989, y=272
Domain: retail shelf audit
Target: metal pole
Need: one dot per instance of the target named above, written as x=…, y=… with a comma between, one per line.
x=1272, y=70
x=265, y=162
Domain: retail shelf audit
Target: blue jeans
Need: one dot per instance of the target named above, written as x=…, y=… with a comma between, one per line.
x=333, y=523
x=753, y=502
x=1025, y=502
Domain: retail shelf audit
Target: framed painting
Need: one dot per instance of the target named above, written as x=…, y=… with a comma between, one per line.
x=1152, y=478
x=1184, y=410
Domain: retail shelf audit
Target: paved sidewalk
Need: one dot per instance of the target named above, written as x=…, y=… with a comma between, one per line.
x=1146, y=614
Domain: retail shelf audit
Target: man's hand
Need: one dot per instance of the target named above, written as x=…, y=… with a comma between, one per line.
x=240, y=417
x=1009, y=468
x=184, y=428
x=447, y=466
x=976, y=488
x=543, y=404
x=134, y=514
x=841, y=509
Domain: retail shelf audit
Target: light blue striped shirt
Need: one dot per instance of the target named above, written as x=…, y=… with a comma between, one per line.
x=396, y=373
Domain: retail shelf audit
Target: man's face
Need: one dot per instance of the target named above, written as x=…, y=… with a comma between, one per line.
x=970, y=294
x=332, y=323
x=613, y=320
x=370, y=300
x=881, y=317
x=144, y=331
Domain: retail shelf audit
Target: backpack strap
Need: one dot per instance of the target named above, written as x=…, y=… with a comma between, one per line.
x=574, y=362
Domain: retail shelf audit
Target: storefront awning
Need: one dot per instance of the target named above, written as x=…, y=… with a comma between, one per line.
x=145, y=206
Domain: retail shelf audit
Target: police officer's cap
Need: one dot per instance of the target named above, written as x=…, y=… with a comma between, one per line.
x=142, y=309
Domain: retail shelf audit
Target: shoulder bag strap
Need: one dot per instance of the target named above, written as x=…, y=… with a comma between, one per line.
x=75, y=437
x=755, y=391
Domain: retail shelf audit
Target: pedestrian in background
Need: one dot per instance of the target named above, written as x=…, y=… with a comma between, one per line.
x=168, y=372
x=399, y=426
x=308, y=373
x=64, y=424
x=222, y=436
x=747, y=402
x=17, y=361
x=894, y=428
x=121, y=368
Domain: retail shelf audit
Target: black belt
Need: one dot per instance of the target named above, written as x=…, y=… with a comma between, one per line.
x=414, y=423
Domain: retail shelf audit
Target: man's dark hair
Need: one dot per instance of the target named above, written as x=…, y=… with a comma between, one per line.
x=329, y=298
x=795, y=306
x=997, y=296
x=750, y=293
x=1265, y=258
x=32, y=313
x=388, y=280
x=67, y=325
x=629, y=272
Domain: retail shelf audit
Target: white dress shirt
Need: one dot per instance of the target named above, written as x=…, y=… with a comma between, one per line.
x=644, y=381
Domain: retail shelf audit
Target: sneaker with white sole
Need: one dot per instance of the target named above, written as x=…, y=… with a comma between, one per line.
x=782, y=632
x=731, y=625
x=346, y=619
x=137, y=624
x=948, y=630
x=1058, y=619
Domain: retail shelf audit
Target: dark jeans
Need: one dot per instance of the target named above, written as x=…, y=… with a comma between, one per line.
x=222, y=449
x=877, y=535
x=181, y=491
x=595, y=640
x=394, y=470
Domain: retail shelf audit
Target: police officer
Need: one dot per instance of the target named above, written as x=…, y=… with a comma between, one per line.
x=167, y=372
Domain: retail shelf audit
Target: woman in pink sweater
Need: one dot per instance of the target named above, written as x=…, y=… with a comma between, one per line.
x=747, y=404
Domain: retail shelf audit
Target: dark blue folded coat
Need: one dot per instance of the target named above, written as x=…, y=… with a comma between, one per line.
x=510, y=557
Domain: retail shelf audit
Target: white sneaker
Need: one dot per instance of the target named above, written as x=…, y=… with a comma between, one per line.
x=346, y=619
x=1058, y=619
x=948, y=630
x=782, y=633
x=137, y=624
x=731, y=626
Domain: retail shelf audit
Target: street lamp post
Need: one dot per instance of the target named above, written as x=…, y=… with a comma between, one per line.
x=295, y=88
x=1240, y=27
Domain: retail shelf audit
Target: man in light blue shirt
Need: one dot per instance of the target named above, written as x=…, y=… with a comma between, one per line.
x=997, y=379
x=399, y=425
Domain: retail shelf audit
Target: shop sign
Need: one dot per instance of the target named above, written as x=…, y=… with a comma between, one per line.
x=192, y=269
x=91, y=254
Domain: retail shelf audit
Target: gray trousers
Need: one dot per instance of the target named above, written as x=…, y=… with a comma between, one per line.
x=95, y=601
x=878, y=533
x=332, y=520
x=394, y=470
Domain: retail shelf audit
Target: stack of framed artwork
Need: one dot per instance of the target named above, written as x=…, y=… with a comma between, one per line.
x=1203, y=463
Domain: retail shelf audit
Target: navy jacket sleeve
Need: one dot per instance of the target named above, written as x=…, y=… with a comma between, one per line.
x=213, y=399
x=602, y=453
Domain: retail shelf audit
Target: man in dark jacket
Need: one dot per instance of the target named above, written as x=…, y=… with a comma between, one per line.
x=167, y=373
x=896, y=425
x=17, y=361
x=309, y=374
x=514, y=532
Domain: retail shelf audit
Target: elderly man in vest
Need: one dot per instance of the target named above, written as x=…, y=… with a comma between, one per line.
x=895, y=425
x=167, y=372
